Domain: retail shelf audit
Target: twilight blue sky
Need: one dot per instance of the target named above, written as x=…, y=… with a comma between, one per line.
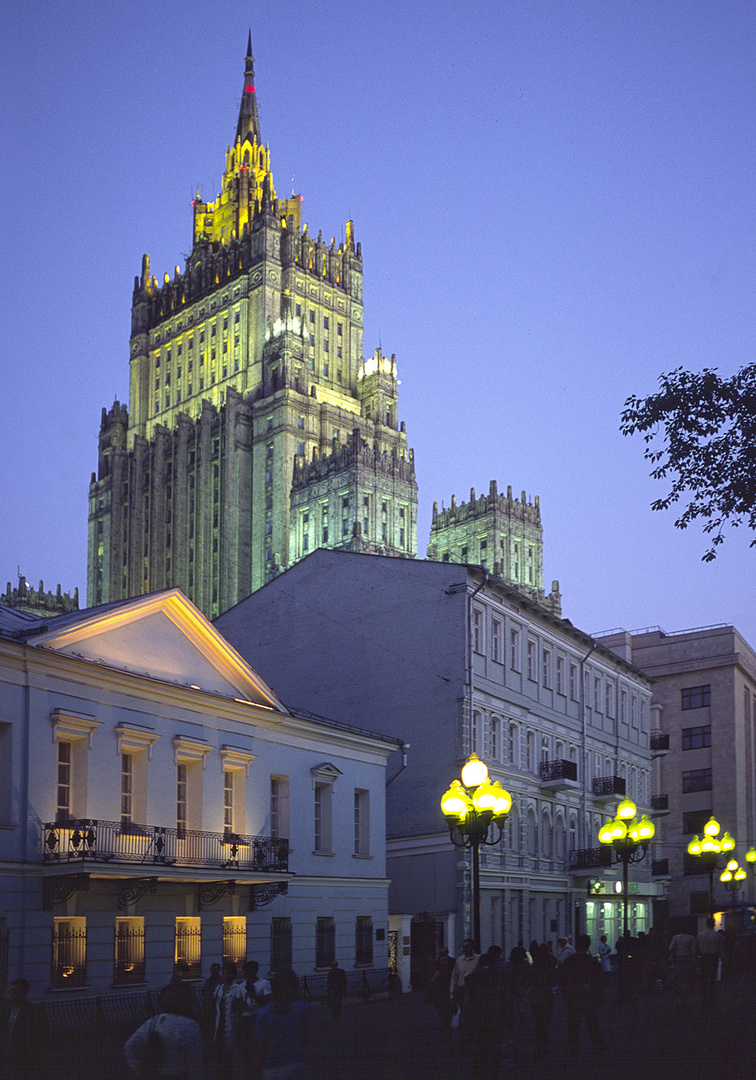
x=555, y=200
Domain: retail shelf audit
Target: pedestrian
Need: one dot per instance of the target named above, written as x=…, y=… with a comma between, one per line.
x=437, y=990
x=520, y=962
x=168, y=1045
x=246, y=998
x=179, y=997
x=282, y=1030
x=336, y=988
x=683, y=950
x=22, y=1034
x=541, y=996
x=224, y=1031
x=564, y=949
x=709, y=944
x=209, y=987
x=489, y=997
x=605, y=955
x=579, y=976
x=464, y=966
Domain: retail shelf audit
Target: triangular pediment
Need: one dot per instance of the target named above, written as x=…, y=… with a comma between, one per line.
x=165, y=637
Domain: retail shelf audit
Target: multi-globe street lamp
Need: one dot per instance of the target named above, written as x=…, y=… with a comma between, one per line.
x=628, y=837
x=475, y=810
x=732, y=877
x=707, y=852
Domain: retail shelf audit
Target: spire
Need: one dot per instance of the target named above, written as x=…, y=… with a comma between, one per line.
x=248, y=118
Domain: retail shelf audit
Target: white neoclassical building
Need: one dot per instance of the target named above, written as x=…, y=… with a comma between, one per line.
x=159, y=804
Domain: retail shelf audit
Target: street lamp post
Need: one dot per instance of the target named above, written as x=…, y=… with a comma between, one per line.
x=708, y=850
x=732, y=877
x=629, y=839
x=471, y=808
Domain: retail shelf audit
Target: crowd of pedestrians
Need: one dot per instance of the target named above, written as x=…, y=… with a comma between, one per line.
x=240, y=1029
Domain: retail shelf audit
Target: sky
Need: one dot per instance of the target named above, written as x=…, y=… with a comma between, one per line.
x=555, y=202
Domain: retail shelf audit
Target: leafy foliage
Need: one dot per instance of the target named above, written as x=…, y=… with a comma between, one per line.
x=700, y=432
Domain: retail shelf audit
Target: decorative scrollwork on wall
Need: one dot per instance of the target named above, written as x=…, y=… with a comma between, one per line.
x=210, y=892
x=134, y=890
x=262, y=895
x=57, y=890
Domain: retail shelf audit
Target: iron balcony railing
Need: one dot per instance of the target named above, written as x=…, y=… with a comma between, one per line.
x=659, y=742
x=659, y=867
x=609, y=785
x=590, y=858
x=87, y=840
x=660, y=802
x=558, y=770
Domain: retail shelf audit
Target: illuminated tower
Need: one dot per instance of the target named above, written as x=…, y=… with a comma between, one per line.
x=249, y=395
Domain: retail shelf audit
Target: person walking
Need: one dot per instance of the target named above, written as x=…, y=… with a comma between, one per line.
x=22, y=1034
x=605, y=955
x=246, y=998
x=167, y=1046
x=282, y=1029
x=464, y=966
x=580, y=979
x=541, y=996
x=683, y=950
x=336, y=988
x=437, y=991
x=709, y=944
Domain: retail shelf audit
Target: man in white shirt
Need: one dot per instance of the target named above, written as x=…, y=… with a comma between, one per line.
x=465, y=965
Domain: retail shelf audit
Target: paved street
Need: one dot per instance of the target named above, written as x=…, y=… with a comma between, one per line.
x=655, y=1036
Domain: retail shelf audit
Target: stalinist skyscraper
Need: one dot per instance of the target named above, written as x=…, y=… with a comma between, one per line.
x=256, y=429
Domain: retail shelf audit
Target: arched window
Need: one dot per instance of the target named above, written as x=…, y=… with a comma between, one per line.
x=513, y=823
x=532, y=832
x=495, y=738
x=546, y=835
x=559, y=837
x=475, y=735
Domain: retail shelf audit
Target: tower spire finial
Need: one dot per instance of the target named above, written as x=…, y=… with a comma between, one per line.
x=249, y=122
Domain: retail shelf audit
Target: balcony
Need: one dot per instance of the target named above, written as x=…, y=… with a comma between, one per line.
x=659, y=805
x=588, y=859
x=558, y=775
x=659, y=744
x=660, y=868
x=145, y=846
x=606, y=788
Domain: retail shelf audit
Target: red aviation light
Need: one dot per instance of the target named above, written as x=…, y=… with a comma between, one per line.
x=250, y=89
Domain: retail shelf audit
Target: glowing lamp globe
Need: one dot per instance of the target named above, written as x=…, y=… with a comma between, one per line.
x=727, y=842
x=711, y=828
x=455, y=802
x=751, y=855
x=605, y=833
x=619, y=829
x=740, y=874
x=503, y=803
x=725, y=876
x=694, y=847
x=627, y=810
x=474, y=771
x=484, y=797
x=646, y=830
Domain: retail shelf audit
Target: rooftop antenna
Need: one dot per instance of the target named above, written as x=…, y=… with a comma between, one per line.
x=293, y=193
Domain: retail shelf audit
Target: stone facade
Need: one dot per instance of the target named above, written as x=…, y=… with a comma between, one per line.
x=457, y=660
x=24, y=598
x=704, y=708
x=498, y=532
x=246, y=366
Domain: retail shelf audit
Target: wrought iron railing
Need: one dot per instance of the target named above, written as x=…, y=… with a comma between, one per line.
x=88, y=840
x=558, y=770
x=590, y=858
x=660, y=802
x=659, y=867
x=660, y=742
x=609, y=785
